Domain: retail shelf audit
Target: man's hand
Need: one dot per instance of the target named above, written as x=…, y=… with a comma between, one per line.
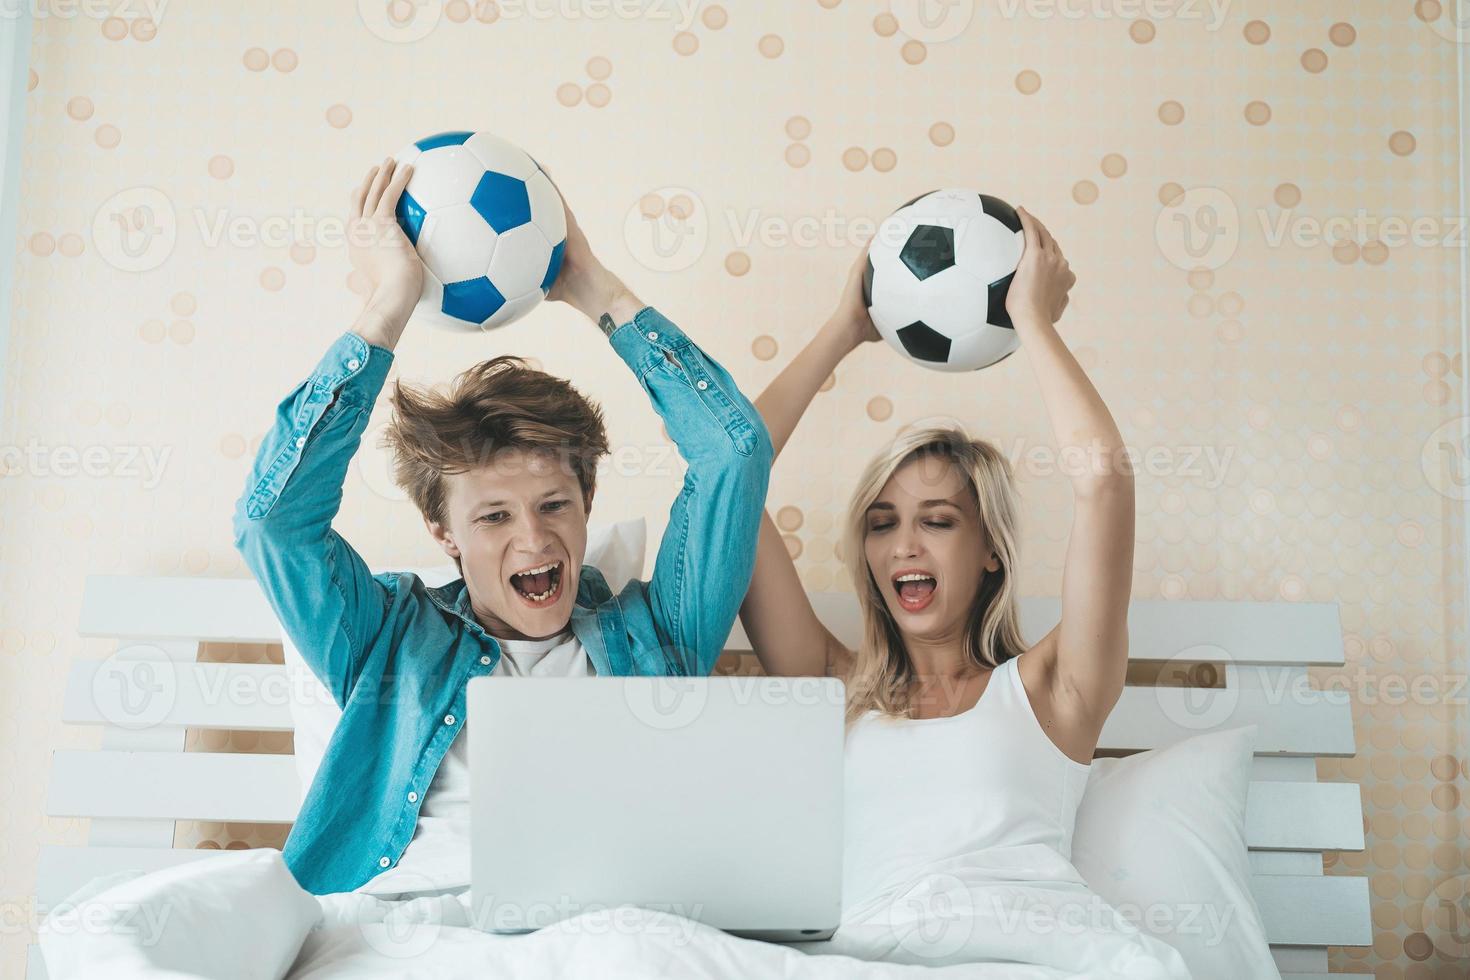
x=378, y=248
x=584, y=282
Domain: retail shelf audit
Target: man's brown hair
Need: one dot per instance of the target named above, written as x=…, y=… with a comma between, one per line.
x=496, y=405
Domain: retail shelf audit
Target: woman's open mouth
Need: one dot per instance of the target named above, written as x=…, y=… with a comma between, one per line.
x=915, y=589
x=540, y=586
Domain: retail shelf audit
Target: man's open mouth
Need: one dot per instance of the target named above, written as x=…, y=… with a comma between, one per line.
x=539, y=586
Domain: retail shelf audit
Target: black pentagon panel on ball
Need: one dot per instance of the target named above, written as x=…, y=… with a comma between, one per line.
x=996, y=315
x=1001, y=211
x=924, y=343
x=868, y=283
x=929, y=251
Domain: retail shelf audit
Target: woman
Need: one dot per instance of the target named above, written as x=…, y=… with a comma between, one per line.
x=961, y=738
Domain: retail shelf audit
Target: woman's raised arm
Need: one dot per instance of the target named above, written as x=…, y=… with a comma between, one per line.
x=788, y=638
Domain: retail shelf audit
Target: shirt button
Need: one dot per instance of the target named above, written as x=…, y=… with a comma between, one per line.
x=413, y=797
x=702, y=385
x=300, y=441
x=383, y=862
x=485, y=660
x=449, y=719
x=653, y=335
x=353, y=364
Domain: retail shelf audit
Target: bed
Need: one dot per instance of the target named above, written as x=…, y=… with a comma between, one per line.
x=1186, y=657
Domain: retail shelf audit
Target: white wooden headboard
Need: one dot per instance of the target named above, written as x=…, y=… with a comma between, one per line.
x=141, y=781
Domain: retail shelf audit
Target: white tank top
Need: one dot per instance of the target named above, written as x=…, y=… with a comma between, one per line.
x=922, y=790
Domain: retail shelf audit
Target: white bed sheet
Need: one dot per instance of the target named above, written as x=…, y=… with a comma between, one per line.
x=1021, y=913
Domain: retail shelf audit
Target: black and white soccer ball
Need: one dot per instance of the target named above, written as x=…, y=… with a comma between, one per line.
x=938, y=272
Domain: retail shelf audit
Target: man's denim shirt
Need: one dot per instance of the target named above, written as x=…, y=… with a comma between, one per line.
x=397, y=655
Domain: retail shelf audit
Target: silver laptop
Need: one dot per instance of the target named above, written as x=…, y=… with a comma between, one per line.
x=718, y=799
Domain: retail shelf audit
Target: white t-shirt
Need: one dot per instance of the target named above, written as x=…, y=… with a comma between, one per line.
x=438, y=856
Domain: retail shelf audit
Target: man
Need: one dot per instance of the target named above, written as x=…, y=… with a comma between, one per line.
x=503, y=472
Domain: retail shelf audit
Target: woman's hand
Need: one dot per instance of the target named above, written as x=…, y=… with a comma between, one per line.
x=1043, y=277
x=377, y=246
x=851, y=315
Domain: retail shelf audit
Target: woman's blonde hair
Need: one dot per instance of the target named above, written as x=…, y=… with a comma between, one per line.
x=882, y=673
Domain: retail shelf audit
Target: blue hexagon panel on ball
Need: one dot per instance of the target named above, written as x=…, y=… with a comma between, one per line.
x=938, y=272
x=487, y=223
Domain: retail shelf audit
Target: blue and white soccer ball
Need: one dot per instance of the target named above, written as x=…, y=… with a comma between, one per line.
x=488, y=224
x=939, y=270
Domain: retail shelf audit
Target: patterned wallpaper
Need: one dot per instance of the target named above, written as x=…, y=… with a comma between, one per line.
x=1259, y=200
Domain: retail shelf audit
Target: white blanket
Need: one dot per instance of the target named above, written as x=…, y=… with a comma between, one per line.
x=1021, y=913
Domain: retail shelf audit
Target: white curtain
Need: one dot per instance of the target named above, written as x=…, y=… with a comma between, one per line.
x=15, y=50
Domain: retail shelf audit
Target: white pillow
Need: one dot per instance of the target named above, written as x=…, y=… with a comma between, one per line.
x=1161, y=836
x=616, y=550
x=234, y=914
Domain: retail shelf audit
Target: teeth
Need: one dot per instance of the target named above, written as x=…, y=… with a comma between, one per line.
x=914, y=577
x=540, y=568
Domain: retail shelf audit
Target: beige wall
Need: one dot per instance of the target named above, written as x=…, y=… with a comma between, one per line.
x=1315, y=375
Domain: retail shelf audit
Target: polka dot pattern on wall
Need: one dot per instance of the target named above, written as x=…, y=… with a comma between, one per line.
x=771, y=46
x=1257, y=32
x=597, y=94
x=941, y=134
x=1314, y=60
x=737, y=264
x=1171, y=113
x=339, y=116
x=1402, y=143
x=1257, y=113
x=1142, y=31
x=764, y=347
x=1114, y=165
x=1084, y=192
x=1028, y=82
x=1288, y=195
x=798, y=128
x=221, y=167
